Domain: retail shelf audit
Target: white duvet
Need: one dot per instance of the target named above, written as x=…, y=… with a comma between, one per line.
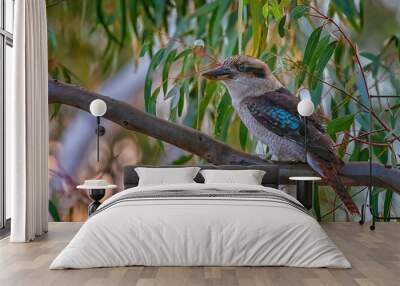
x=200, y=231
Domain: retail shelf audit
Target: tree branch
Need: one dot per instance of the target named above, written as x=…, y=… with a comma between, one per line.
x=204, y=146
x=134, y=119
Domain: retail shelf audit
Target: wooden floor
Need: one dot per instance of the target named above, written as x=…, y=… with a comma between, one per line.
x=375, y=257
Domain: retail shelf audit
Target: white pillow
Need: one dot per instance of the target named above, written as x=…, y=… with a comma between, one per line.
x=165, y=176
x=248, y=177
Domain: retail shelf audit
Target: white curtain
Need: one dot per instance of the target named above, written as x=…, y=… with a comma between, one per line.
x=27, y=123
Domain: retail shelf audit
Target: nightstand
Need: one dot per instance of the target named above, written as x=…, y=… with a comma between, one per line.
x=96, y=190
x=305, y=186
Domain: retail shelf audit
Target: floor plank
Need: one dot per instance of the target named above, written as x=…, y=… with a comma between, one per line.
x=375, y=257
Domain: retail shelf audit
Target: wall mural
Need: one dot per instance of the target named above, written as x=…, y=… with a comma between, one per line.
x=185, y=78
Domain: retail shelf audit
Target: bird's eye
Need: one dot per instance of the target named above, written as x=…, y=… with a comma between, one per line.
x=241, y=68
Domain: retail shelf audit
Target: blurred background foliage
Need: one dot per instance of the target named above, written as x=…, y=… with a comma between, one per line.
x=316, y=48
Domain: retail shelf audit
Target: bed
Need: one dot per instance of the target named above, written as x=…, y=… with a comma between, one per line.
x=200, y=224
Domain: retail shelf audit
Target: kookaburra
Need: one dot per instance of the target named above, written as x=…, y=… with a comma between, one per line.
x=269, y=111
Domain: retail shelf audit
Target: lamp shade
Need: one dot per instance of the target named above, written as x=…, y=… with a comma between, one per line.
x=98, y=107
x=305, y=107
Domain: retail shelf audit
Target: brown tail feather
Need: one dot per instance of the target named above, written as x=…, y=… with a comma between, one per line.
x=329, y=172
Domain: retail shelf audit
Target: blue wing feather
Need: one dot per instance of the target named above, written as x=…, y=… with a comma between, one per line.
x=277, y=112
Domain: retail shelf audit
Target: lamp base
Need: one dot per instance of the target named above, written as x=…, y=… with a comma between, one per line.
x=304, y=193
x=96, y=195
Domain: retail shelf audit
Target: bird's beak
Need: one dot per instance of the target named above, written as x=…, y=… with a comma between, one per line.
x=219, y=73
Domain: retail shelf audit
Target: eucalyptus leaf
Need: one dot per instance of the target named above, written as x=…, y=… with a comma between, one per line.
x=103, y=21
x=265, y=11
x=173, y=92
x=53, y=211
x=183, y=159
x=339, y=124
x=243, y=134
x=144, y=49
x=255, y=8
x=224, y=112
x=298, y=12
x=387, y=205
x=276, y=10
x=312, y=44
x=322, y=62
x=281, y=26
x=165, y=72
x=56, y=108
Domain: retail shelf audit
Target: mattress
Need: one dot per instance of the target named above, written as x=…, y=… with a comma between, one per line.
x=201, y=225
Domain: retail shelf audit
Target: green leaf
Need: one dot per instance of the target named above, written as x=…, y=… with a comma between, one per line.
x=362, y=89
x=243, y=133
x=374, y=199
x=215, y=30
x=182, y=93
x=300, y=77
x=255, y=8
x=311, y=45
x=66, y=74
x=133, y=4
x=56, y=110
x=381, y=152
x=364, y=155
x=316, y=93
x=265, y=11
x=361, y=14
x=102, y=19
x=144, y=49
x=272, y=58
x=348, y=8
x=298, y=12
x=387, y=204
x=165, y=72
x=159, y=11
x=359, y=154
x=209, y=93
x=183, y=159
x=281, y=27
x=203, y=10
x=156, y=60
x=321, y=63
x=322, y=44
x=152, y=103
x=147, y=93
x=325, y=56
x=161, y=145
x=149, y=102
x=173, y=92
x=339, y=124
x=224, y=113
x=307, y=64
x=52, y=39
x=183, y=54
x=276, y=10
x=123, y=15
x=376, y=62
x=53, y=211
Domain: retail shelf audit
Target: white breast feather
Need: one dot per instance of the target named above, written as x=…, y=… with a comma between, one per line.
x=282, y=148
